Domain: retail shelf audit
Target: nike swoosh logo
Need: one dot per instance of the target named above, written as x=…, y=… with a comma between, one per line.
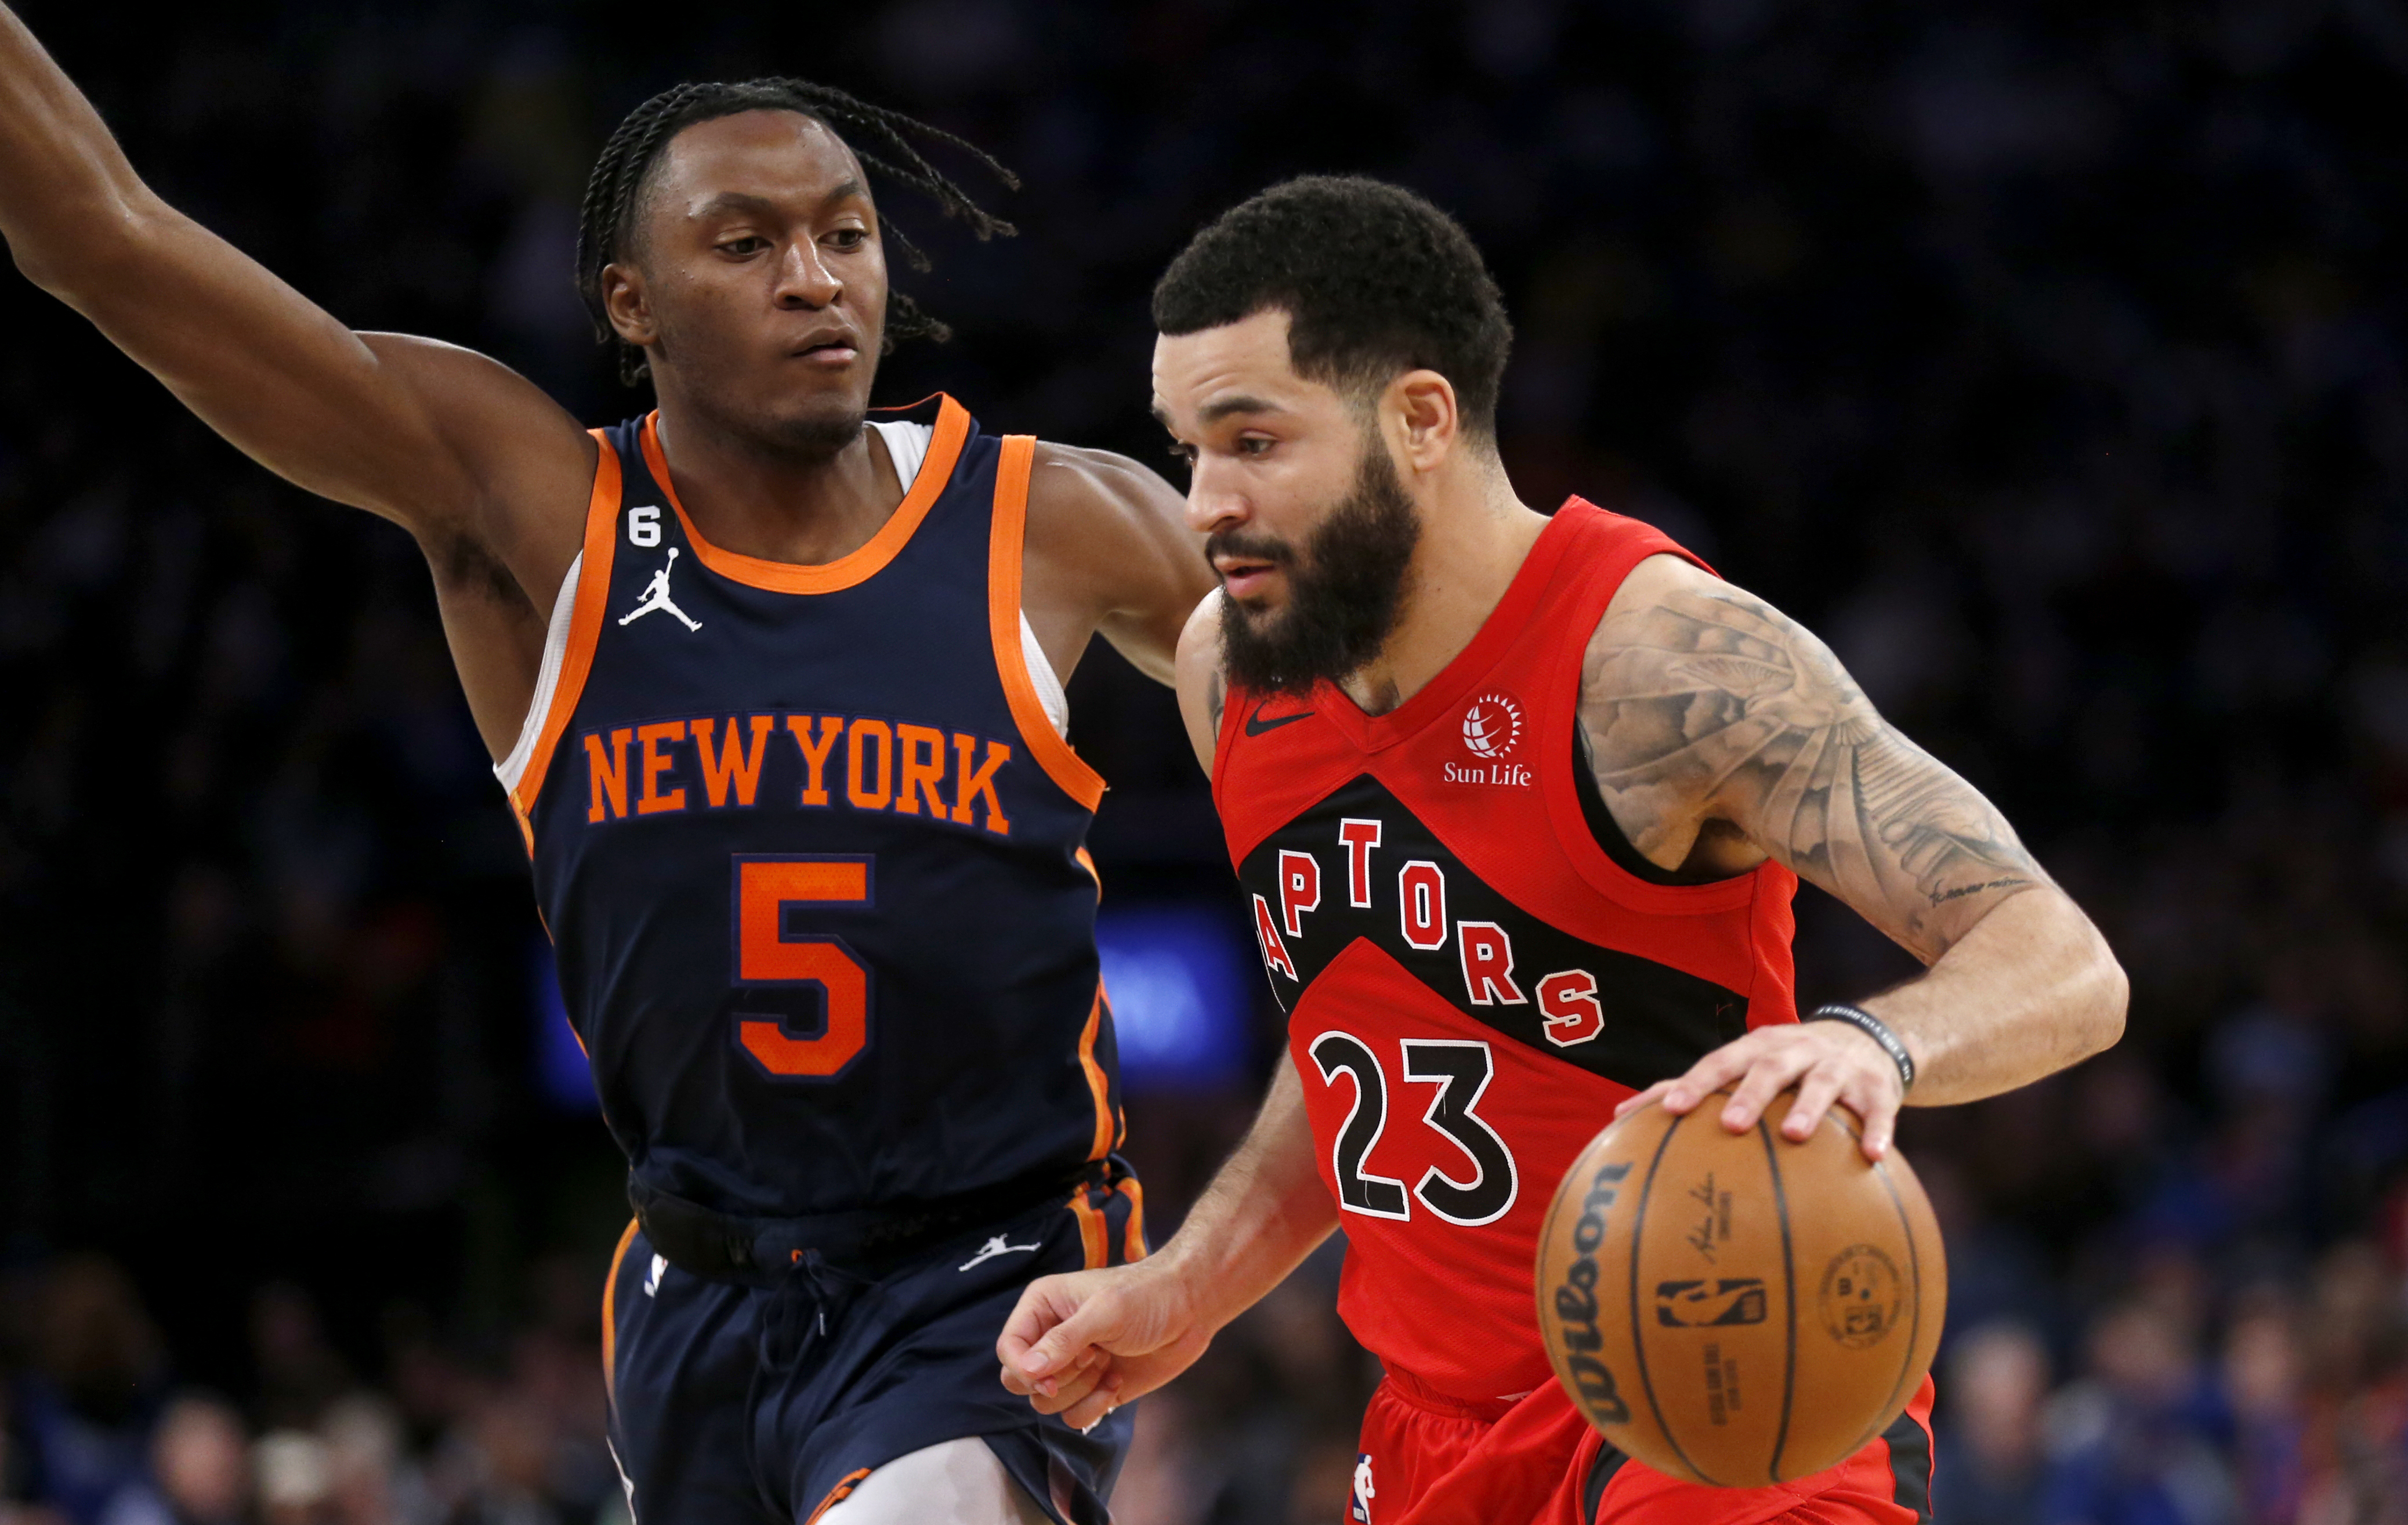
x=1257, y=725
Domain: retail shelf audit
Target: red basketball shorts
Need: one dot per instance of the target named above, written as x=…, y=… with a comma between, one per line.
x=1427, y=1459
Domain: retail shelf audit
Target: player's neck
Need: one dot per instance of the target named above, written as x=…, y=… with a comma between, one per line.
x=777, y=505
x=1476, y=533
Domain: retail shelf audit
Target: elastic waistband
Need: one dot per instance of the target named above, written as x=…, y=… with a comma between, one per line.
x=764, y=1251
x=1414, y=1392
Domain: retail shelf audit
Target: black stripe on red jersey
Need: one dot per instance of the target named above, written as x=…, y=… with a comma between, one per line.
x=1910, y=1466
x=1610, y=837
x=1358, y=864
x=1601, y=1469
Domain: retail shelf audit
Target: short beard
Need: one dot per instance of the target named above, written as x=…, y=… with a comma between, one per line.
x=1345, y=594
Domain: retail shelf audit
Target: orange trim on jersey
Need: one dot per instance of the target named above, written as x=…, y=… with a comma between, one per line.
x=1094, y=1235
x=610, y=1315
x=935, y=472
x=1088, y=863
x=1061, y=764
x=1133, y=1242
x=837, y=1494
x=1097, y=1085
x=584, y=630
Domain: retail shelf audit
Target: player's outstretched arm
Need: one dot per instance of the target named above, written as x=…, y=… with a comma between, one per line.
x=1720, y=727
x=404, y=427
x=1109, y=549
x=1082, y=1344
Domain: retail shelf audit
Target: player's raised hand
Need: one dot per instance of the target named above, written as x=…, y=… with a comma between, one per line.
x=1083, y=1345
x=1829, y=1062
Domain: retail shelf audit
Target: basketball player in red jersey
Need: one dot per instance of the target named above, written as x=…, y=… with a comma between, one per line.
x=836, y=1211
x=1518, y=802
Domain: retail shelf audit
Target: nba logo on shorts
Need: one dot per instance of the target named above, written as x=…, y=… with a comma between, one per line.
x=1360, y=1506
x=1492, y=725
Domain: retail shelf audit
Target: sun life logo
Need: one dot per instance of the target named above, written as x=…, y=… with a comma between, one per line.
x=1492, y=726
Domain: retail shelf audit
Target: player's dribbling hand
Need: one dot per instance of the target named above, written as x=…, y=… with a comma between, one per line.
x=1083, y=1345
x=1829, y=1062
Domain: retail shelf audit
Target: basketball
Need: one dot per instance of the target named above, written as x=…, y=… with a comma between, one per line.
x=1739, y=1310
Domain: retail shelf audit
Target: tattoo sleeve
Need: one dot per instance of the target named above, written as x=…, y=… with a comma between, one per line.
x=1710, y=705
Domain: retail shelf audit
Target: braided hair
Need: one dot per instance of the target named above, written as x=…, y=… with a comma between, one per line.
x=605, y=221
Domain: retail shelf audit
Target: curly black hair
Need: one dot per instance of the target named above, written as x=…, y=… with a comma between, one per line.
x=1375, y=280
x=615, y=189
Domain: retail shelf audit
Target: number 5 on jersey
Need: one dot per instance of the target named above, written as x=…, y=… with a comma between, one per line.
x=767, y=958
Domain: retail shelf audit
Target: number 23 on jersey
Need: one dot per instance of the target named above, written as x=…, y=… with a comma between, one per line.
x=1459, y=1069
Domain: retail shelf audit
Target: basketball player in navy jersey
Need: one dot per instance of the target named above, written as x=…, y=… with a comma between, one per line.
x=1518, y=801
x=777, y=696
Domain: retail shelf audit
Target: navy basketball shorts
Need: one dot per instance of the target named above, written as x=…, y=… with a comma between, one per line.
x=739, y=1406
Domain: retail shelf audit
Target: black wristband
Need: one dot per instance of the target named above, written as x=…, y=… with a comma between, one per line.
x=1875, y=1028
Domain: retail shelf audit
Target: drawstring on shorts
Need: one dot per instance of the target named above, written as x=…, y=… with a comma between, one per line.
x=793, y=1313
x=813, y=1282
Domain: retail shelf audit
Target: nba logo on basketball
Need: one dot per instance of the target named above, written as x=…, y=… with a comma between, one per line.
x=1492, y=725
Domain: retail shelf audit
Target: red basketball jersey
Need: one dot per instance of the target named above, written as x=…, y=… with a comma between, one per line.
x=1471, y=982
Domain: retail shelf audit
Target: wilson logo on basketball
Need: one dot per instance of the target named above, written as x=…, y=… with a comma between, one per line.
x=1492, y=726
x=1577, y=1339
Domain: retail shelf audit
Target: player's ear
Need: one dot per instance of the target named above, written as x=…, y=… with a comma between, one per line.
x=1422, y=404
x=627, y=304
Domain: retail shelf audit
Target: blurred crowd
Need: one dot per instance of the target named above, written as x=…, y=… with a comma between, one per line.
x=101, y=1429
x=2049, y=359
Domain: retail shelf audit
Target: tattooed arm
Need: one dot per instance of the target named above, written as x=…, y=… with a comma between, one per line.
x=1721, y=733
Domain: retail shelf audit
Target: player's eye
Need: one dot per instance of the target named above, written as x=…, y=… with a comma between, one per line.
x=848, y=237
x=748, y=244
x=1253, y=444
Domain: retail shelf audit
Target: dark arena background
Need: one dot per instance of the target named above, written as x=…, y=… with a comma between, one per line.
x=2047, y=357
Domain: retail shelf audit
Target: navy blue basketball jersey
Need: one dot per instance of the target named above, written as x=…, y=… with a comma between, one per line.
x=812, y=854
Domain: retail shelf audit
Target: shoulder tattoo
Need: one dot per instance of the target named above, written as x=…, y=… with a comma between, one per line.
x=1712, y=704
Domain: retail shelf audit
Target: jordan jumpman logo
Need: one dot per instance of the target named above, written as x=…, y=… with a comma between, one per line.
x=992, y=1249
x=656, y=596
